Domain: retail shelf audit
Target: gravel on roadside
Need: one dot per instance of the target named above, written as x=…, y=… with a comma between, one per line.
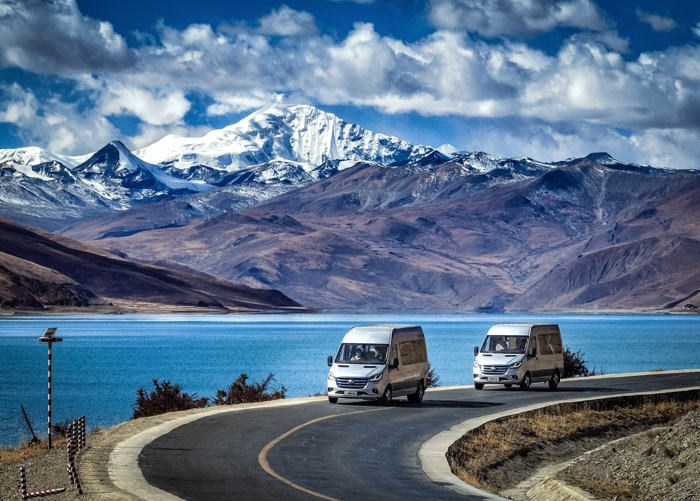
x=661, y=464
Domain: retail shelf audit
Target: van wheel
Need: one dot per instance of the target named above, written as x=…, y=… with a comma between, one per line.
x=554, y=382
x=478, y=386
x=333, y=400
x=527, y=381
x=417, y=397
x=386, y=397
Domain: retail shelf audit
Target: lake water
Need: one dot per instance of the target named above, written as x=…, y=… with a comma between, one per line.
x=103, y=360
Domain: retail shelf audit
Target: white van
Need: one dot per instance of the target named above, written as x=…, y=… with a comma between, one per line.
x=520, y=354
x=379, y=362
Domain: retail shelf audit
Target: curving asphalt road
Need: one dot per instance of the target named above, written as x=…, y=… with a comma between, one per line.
x=351, y=450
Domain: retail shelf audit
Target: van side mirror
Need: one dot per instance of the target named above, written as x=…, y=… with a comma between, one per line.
x=394, y=364
x=476, y=350
x=330, y=360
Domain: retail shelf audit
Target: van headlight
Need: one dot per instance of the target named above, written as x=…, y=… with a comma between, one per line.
x=377, y=377
x=516, y=365
x=331, y=377
x=476, y=365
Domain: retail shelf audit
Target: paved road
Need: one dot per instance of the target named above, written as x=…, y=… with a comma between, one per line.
x=351, y=450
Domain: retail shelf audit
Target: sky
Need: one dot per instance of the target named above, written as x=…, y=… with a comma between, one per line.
x=546, y=79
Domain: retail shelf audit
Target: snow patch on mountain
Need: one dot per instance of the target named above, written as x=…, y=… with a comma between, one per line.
x=297, y=133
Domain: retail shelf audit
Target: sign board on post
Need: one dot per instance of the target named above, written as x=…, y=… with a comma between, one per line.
x=49, y=338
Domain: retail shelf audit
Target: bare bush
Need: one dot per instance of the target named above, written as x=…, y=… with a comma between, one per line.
x=165, y=398
x=240, y=392
x=433, y=378
x=574, y=364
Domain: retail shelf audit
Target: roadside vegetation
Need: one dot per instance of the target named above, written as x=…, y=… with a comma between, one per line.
x=502, y=453
x=167, y=397
x=575, y=365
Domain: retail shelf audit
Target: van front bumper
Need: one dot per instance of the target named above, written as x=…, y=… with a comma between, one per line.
x=370, y=392
x=510, y=377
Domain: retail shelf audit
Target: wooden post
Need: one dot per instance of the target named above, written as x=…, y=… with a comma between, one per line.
x=28, y=423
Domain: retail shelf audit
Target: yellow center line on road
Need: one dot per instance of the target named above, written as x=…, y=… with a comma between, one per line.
x=262, y=457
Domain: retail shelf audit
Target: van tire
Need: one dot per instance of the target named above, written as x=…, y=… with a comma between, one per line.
x=417, y=397
x=386, y=396
x=478, y=386
x=554, y=382
x=333, y=400
x=526, y=382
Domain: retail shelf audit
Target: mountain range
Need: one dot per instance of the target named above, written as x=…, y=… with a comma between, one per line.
x=339, y=218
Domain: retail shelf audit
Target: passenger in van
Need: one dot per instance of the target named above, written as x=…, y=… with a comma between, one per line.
x=358, y=356
x=502, y=345
x=522, y=342
x=378, y=355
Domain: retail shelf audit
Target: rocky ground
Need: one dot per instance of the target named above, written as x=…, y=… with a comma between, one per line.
x=661, y=464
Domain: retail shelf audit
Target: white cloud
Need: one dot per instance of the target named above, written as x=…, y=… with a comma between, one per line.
x=492, y=18
x=696, y=30
x=159, y=107
x=53, y=124
x=657, y=22
x=288, y=22
x=54, y=37
x=448, y=73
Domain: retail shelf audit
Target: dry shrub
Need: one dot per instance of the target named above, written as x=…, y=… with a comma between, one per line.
x=433, y=378
x=574, y=364
x=27, y=450
x=491, y=445
x=165, y=398
x=240, y=392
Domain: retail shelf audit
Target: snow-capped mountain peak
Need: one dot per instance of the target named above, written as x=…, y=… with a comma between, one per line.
x=297, y=133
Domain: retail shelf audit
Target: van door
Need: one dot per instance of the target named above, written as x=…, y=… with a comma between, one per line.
x=413, y=354
x=534, y=362
x=547, y=360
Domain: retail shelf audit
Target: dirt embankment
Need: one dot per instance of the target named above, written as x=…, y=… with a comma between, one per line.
x=663, y=463
x=503, y=453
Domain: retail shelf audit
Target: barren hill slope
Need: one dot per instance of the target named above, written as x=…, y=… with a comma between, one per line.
x=586, y=235
x=41, y=270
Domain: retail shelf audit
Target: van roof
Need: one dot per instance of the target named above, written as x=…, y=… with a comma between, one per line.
x=388, y=326
x=517, y=329
x=378, y=333
x=526, y=324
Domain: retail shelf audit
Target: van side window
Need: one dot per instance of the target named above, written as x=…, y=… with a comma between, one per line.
x=421, y=352
x=408, y=353
x=533, y=344
x=394, y=354
x=545, y=345
x=556, y=343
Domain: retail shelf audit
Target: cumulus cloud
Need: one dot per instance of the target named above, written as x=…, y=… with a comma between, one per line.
x=288, y=22
x=657, y=22
x=451, y=72
x=156, y=107
x=54, y=124
x=696, y=30
x=492, y=18
x=54, y=37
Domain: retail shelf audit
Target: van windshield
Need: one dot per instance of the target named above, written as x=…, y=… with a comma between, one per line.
x=362, y=354
x=504, y=344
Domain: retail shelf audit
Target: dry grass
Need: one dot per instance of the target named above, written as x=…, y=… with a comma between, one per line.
x=11, y=455
x=619, y=491
x=483, y=450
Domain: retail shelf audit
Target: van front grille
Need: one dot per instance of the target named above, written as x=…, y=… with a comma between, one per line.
x=352, y=382
x=495, y=369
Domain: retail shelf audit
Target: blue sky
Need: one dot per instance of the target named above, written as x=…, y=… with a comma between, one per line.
x=549, y=79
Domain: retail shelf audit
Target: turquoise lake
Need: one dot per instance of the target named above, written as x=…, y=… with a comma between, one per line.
x=103, y=360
